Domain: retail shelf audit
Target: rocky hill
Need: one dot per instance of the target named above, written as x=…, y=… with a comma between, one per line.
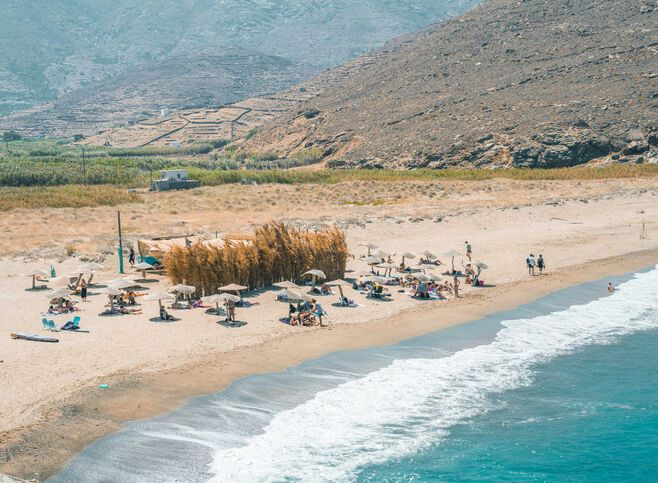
x=525, y=83
x=51, y=48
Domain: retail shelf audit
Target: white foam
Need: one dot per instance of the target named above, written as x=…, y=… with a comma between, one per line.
x=412, y=403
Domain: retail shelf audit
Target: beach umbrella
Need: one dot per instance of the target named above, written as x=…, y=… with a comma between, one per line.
x=159, y=296
x=340, y=284
x=481, y=266
x=233, y=287
x=36, y=273
x=434, y=277
x=60, y=281
x=59, y=293
x=380, y=254
x=452, y=254
x=388, y=267
x=129, y=278
x=143, y=266
x=369, y=246
x=375, y=279
x=213, y=299
x=111, y=291
x=316, y=274
x=287, y=284
x=227, y=297
x=295, y=296
x=122, y=284
x=406, y=255
x=94, y=266
x=429, y=255
x=372, y=261
x=183, y=289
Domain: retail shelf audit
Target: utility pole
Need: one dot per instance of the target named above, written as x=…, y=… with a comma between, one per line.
x=120, y=243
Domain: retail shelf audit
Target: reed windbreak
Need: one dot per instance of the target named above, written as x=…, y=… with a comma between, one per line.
x=274, y=253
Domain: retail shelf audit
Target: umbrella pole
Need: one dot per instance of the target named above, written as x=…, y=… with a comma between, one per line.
x=340, y=289
x=143, y=274
x=34, y=281
x=453, y=264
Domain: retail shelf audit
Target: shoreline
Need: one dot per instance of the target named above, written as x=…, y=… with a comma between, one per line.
x=41, y=449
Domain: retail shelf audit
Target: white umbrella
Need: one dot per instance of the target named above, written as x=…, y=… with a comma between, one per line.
x=316, y=274
x=375, y=279
x=233, y=287
x=405, y=255
x=129, y=278
x=93, y=266
x=421, y=277
x=111, y=291
x=452, y=254
x=372, y=261
x=143, y=266
x=60, y=281
x=369, y=246
x=287, y=284
x=295, y=296
x=481, y=266
x=59, y=293
x=340, y=284
x=434, y=276
x=122, y=284
x=380, y=254
x=229, y=297
x=217, y=298
x=184, y=289
x=36, y=273
x=159, y=296
x=429, y=255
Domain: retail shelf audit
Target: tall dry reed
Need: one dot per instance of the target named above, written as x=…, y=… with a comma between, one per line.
x=274, y=253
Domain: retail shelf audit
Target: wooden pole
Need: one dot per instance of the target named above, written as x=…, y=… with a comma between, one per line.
x=120, y=243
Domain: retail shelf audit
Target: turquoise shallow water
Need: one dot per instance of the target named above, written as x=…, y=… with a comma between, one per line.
x=562, y=389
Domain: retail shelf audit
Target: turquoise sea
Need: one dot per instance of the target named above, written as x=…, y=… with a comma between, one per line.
x=562, y=389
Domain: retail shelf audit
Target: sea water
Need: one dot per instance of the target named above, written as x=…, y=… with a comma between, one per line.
x=562, y=389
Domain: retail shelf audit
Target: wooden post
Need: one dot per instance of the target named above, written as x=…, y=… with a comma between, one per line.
x=120, y=243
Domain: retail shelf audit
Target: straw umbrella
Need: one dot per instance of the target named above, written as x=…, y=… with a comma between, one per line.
x=34, y=274
x=375, y=279
x=388, y=267
x=62, y=281
x=287, y=284
x=143, y=266
x=372, y=261
x=93, y=266
x=452, y=254
x=369, y=246
x=316, y=274
x=182, y=290
x=233, y=287
x=111, y=292
x=406, y=255
x=60, y=293
x=481, y=266
x=213, y=299
x=122, y=284
x=295, y=296
x=340, y=284
x=159, y=296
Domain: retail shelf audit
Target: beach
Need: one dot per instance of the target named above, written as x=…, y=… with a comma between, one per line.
x=52, y=405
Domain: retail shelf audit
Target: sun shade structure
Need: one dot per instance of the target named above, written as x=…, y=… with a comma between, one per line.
x=287, y=284
x=59, y=293
x=122, y=284
x=93, y=266
x=112, y=291
x=388, y=267
x=406, y=255
x=159, y=296
x=233, y=287
x=36, y=273
x=340, y=284
x=295, y=296
x=429, y=255
x=375, y=279
x=380, y=254
x=60, y=281
x=143, y=266
x=452, y=254
x=315, y=274
x=369, y=246
x=481, y=266
x=422, y=277
x=183, y=289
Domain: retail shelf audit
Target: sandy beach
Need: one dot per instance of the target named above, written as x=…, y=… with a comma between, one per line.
x=52, y=405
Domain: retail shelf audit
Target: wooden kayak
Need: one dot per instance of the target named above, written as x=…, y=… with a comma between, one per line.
x=34, y=337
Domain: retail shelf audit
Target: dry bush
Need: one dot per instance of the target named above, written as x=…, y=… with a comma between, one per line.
x=274, y=253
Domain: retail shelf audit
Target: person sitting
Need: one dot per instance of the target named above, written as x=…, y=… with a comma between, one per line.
x=164, y=315
x=325, y=289
x=468, y=270
x=131, y=298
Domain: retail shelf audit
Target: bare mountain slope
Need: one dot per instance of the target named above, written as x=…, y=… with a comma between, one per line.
x=524, y=83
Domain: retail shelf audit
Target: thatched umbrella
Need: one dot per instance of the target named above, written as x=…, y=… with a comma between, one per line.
x=128, y=278
x=375, y=279
x=233, y=287
x=422, y=277
x=34, y=274
x=111, y=292
x=481, y=266
x=388, y=267
x=287, y=284
x=452, y=254
x=295, y=296
x=429, y=255
x=93, y=266
x=182, y=289
x=143, y=266
x=213, y=299
x=122, y=284
x=340, y=284
x=315, y=274
x=159, y=296
x=372, y=261
x=60, y=293
x=406, y=255
x=369, y=246
x=62, y=281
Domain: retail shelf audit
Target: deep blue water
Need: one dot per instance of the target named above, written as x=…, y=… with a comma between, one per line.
x=562, y=389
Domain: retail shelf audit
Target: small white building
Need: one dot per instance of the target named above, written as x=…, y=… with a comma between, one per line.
x=173, y=174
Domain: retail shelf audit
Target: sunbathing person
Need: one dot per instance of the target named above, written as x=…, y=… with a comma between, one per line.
x=164, y=315
x=325, y=289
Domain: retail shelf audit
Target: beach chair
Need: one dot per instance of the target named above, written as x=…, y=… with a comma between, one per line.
x=76, y=321
x=49, y=325
x=45, y=323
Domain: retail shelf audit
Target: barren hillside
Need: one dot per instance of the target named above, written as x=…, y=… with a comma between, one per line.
x=525, y=83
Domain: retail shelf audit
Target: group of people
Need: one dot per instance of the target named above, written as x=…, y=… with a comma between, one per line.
x=61, y=306
x=534, y=266
x=309, y=314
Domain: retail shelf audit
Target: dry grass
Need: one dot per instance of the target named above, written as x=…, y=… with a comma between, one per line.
x=274, y=253
x=72, y=196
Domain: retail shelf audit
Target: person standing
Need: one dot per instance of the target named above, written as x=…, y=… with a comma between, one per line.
x=530, y=261
x=541, y=264
x=131, y=256
x=83, y=290
x=469, y=250
x=455, y=285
